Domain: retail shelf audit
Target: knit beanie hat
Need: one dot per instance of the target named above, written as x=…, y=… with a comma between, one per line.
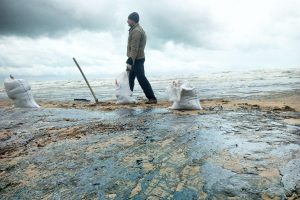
x=134, y=17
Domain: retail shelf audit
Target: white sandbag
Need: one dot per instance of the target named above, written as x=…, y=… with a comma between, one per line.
x=123, y=92
x=19, y=91
x=184, y=96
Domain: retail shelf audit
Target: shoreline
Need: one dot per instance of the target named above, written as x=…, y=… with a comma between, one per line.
x=278, y=101
x=288, y=101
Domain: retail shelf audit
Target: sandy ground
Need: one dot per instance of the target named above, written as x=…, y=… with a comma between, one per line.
x=279, y=102
x=232, y=149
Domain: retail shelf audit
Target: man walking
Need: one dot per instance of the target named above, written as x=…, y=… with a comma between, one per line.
x=136, y=57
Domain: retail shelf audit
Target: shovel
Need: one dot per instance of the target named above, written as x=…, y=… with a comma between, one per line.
x=96, y=100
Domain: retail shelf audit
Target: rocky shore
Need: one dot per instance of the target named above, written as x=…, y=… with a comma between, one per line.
x=232, y=149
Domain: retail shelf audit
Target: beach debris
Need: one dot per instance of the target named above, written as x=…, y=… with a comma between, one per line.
x=96, y=100
x=19, y=91
x=83, y=100
x=123, y=93
x=184, y=96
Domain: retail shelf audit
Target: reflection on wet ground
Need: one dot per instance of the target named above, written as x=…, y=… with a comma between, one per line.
x=148, y=153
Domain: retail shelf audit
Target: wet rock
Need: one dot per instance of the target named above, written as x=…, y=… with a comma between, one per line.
x=140, y=153
x=20, y=139
x=291, y=177
x=273, y=192
x=213, y=174
x=186, y=193
x=245, y=186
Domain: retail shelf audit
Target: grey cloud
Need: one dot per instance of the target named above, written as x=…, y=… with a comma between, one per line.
x=192, y=34
x=178, y=24
x=34, y=18
x=162, y=23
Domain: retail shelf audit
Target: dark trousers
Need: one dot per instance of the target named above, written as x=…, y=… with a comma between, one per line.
x=139, y=72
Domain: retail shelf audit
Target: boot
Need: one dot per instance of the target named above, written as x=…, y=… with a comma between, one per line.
x=151, y=101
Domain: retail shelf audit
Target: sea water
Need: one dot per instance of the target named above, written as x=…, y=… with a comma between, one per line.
x=226, y=84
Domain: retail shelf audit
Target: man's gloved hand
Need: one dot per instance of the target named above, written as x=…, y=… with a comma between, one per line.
x=129, y=61
x=128, y=67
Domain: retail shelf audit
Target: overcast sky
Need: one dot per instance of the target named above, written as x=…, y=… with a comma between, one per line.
x=39, y=38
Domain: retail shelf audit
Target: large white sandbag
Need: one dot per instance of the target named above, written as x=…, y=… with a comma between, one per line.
x=184, y=96
x=123, y=92
x=19, y=91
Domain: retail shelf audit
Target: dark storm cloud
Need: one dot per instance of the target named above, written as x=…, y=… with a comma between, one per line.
x=35, y=17
x=164, y=22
